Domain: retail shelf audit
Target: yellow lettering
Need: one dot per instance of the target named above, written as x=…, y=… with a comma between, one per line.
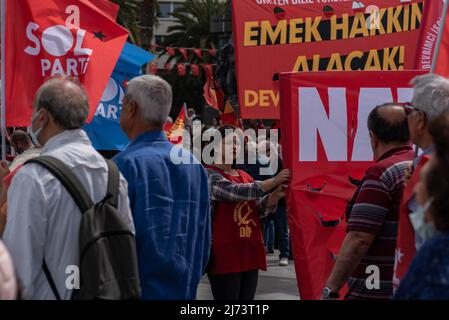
x=264, y=98
x=268, y=32
x=393, y=19
x=416, y=16
x=312, y=29
x=335, y=63
x=359, y=26
x=389, y=63
x=373, y=62
x=249, y=33
x=350, y=58
x=301, y=64
x=295, y=31
x=343, y=26
x=251, y=98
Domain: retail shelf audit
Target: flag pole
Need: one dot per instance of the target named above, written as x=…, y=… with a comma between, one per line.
x=440, y=37
x=3, y=97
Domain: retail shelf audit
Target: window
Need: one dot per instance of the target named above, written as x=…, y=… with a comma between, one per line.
x=177, y=5
x=164, y=10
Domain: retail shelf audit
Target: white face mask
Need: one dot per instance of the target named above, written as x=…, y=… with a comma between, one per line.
x=35, y=134
x=425, y=230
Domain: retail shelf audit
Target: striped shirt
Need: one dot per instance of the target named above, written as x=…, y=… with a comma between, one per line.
x=376, y=211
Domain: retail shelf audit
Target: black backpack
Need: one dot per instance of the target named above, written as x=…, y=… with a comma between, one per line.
x=108, y=258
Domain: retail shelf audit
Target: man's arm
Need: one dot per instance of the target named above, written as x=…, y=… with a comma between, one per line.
x=25, y=234
x=353, y=249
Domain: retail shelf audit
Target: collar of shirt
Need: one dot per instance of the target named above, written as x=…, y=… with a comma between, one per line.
x=393, y=151
x=156, y=135
x=66, y=137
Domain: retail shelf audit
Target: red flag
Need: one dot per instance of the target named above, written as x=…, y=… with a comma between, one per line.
x=171, y=52
x=107, y=7
x=198, y=53
x=406, y=245
x=52, y=38
x=181, y=69
x=214, y=95
x=212, y=52
x=177, y=129
x=209, y=70
x=184, y=53
x=229, y=117
x=195, y=70
x=442, y=56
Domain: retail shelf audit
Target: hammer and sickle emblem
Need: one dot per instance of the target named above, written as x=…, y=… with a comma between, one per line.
x=241, y=218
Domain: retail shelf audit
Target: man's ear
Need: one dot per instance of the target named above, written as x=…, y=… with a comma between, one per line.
x=422, y=121
x=132, y=109
x=374, y=140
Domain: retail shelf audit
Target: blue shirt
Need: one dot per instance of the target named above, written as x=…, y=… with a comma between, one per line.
x=428, y=276
x=171, y=211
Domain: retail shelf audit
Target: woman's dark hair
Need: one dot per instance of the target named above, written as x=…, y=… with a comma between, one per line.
x=437, y=183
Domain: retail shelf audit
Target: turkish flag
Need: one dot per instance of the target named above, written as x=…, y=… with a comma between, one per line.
x=51, y=38
x=442, y=56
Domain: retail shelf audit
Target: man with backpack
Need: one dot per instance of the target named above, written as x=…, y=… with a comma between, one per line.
x=69, y=229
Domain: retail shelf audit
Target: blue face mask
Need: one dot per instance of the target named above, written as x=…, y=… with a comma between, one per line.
x=425, y=230
x=35, y=134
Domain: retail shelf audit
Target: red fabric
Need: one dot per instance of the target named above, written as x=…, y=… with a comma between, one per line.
x=50, y=48
x=198, y=53
x=257, y=62
x=442, y=64
x=213, y=94
x=181, y=69
x=195, y=69
x=183, y=52
x=237, y=244
x=8, y=179
x=107, y=7
x=177, y=128
x=171, y=52
x=321, y=188
x=405, y=248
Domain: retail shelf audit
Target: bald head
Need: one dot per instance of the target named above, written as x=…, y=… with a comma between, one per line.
x=20, y=141
x=65, y=100
x=388, y=122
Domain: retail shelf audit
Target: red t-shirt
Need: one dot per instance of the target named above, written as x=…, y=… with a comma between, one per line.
x=237, y=244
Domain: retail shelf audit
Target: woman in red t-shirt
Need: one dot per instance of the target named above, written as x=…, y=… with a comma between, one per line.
x=238, y=251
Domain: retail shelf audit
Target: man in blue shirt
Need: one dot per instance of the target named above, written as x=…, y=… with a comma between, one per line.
x=169, y=201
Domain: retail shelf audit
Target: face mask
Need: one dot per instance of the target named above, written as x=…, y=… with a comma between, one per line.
x=425, y=230
x=35, y=134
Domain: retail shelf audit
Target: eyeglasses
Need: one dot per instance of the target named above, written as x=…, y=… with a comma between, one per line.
x=409, y=108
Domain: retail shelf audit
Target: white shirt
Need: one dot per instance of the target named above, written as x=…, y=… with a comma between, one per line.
x=43, y=219
x=30, y=153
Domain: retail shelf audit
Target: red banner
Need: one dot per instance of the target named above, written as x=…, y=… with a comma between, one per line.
x=57, y=38
x=442, y=60
x=341, y=36
x=329, y=147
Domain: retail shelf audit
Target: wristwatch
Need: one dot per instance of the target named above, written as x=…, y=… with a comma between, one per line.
x=328, y=294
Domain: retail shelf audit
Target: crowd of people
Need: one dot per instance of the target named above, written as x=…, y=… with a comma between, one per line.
x=193, y=218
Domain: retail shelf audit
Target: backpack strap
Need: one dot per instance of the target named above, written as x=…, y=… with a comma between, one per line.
x=68, y=179
x=50, y=280
x=113, y=184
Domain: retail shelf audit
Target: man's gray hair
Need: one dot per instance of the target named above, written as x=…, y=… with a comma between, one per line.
x=431, y=95
x=153, y=95
x=65, y=100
